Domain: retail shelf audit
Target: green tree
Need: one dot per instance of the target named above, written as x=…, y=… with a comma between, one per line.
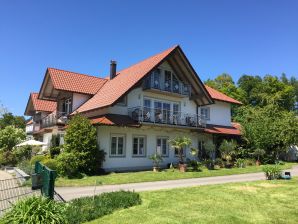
x=10, y=137
x=179, y=144
x=8, y=119
x=80, y=140
x=227, y=150
x=269, y=128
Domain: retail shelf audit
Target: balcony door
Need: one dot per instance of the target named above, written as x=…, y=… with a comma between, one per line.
x=166, y=112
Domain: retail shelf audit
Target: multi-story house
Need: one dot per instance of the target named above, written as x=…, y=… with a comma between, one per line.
x=138, y=109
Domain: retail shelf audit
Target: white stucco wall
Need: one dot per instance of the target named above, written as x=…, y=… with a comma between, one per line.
x=220, y=113
x=78, y=100
x=128, y=162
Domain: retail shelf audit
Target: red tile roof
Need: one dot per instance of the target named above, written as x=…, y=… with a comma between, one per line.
x=42, y=105
x=216, y=95
x=123, y=82
x=75, y=82
x=114, y=120
x=224, y=130
x=29, y=122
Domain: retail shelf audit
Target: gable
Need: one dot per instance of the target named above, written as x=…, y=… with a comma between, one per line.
x=128, y=78
x=60, y=80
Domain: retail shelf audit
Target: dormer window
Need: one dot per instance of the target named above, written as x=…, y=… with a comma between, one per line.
x=67, y=106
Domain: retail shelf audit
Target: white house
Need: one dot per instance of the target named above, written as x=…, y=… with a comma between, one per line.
x=138, y=109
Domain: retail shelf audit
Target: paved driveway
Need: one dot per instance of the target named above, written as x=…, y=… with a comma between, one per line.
x=69, y=193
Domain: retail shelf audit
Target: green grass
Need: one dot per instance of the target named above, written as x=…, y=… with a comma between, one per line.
x=258, y=202
x=145, y=176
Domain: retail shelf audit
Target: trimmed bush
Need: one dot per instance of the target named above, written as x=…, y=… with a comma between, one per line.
x=36, y=210
x=68, y=165
x=37, y=158
x=272, y=171
x=50, y=163
x=86, y=209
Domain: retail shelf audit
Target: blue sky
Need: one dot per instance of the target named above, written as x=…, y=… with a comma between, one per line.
x=237, y=37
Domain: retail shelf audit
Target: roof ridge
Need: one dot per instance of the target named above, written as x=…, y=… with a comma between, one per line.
x=92, y=76
x=171, y=48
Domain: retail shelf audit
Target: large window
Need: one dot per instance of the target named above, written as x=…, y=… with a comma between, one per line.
x=117, y=145
x=67, y=106
x=156, y=79
x=205, y=113
x=147, y=110
x=162, y=146
x=139, y=146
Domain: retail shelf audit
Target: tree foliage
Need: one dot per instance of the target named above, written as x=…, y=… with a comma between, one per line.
x=257, y=91
x=8, y=119
x=10, y=137
x=268, y=128
x=80, y=140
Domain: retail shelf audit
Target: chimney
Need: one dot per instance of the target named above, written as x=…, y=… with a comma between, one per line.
x=113, y=69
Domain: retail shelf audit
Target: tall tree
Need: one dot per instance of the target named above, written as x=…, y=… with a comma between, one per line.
x=269, y=128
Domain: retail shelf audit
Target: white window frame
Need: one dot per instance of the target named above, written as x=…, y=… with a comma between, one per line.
x=117, y=136
x=68, y=105
x=144, y=145
x=206, y=114
x=167, y=145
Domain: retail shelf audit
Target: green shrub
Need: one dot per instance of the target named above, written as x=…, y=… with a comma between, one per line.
x=22, y=152
x=37, y=158
x=209, y=163
x=50, y=163
x=85, y=209
x=219, y=162
x=68, y=165
x=7, y=158
x=196, y=166
x=55, y=151
x=240, y=163
x=36, y=210
x=272, y=171
x=250, y=162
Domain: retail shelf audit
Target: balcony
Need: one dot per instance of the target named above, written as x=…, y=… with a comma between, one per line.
x=168, y=117
x=171, y=86
x=53, y=119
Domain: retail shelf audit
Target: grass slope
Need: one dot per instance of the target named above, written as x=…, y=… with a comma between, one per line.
x=258, y=202
x=145, y=176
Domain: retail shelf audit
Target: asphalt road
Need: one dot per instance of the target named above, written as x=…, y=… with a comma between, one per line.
x=69, y=193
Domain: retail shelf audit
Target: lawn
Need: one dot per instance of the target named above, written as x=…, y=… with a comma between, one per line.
x=145, y=176
x=259, y=202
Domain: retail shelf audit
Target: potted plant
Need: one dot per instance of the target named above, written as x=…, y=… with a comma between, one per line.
x=227, y=150
x=258, y=153
x=180, y=143
x=156, y=159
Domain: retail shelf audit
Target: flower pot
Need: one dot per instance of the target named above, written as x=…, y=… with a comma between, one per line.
x=156, y=169
x=182, y=167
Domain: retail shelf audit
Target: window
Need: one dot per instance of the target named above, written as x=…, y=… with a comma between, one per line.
x=67, y=106
x=168, y=81
x=202, y=153
x=156, y=79
x=162, y=146
x=158, y=111
x=205, y=113
x=117, y=145
x=139, y=146
x=166, y=111
x=147, y=110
